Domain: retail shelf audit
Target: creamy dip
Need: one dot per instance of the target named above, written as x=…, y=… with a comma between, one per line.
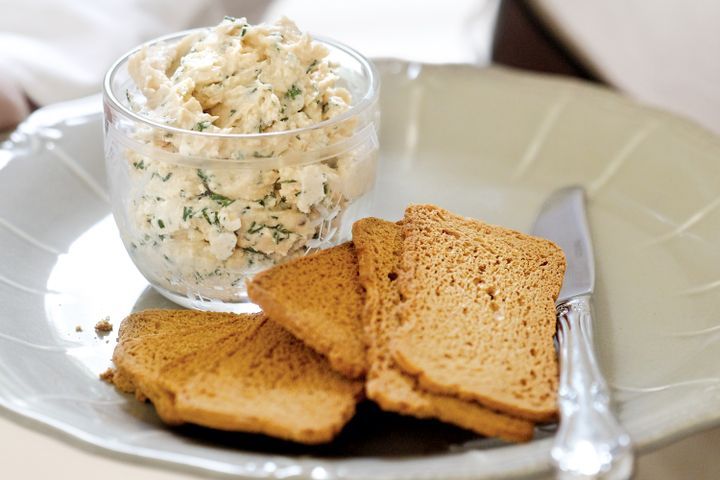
x=210, y=225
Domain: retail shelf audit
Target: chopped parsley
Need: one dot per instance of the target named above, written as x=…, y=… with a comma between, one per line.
x=205, y=214
x=211, y=220
x=256, y=252
x=165, y=178
x=293, y=92
x=280, y=233
x=221, y=200
x=139, y=165
x=203, y=176
x=256, y=227
x=233, y=112
x=257, y=154
x=314, y=62
x=200, y=126
x=187, y=213
x=161, y=224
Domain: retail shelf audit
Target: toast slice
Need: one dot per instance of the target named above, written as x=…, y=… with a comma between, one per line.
x=233, y=372
x=318, y=298
x=379, y=248
x=479, y=314
x=269, y=383
x=139, y=360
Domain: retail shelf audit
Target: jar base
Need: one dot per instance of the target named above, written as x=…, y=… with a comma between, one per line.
x=243, y=305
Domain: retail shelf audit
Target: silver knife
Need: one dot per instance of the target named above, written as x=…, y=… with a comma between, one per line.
x=589, y=443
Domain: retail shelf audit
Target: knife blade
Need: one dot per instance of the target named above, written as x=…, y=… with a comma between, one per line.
x=563, y=221
x=590, y=443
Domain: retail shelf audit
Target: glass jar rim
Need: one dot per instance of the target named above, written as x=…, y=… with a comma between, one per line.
x=365, y=102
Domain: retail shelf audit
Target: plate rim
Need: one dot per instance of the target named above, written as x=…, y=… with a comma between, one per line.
x=667, y=432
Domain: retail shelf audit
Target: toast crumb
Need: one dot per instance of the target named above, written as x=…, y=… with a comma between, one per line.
x=78, y=328
x=103, y=326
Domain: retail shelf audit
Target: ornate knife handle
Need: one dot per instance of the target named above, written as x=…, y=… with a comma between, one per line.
x=589, y=443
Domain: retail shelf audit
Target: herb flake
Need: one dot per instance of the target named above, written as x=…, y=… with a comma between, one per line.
x=201, y=126
x=164, y=179
x=187, y=213
x=203, y=175
x=221, y=200
x=293, y=92
x=211, y=221
x=280, y=233
x=255, y=227
x=256, y=252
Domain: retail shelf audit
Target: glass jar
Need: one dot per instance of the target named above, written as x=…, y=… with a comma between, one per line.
x=200, y=213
